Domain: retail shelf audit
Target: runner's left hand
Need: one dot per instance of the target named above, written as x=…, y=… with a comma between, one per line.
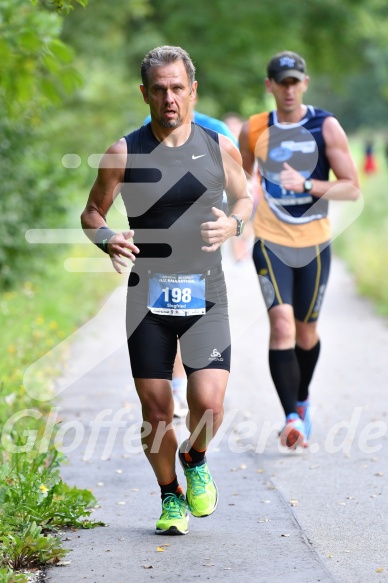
x=214, y=233
x=291, y=179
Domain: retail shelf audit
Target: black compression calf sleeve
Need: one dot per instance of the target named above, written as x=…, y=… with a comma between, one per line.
x=307, y=360
x=285, y=374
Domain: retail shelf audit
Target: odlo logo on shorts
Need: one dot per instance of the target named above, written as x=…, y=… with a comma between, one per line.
x=215, y=355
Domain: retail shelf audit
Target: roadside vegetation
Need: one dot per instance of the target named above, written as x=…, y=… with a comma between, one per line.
x=364, y=243
x=35, y=504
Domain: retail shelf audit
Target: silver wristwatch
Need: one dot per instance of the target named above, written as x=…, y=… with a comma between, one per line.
x=240, y=225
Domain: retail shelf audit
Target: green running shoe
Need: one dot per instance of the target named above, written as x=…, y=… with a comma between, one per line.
x=174, y=518
x=202, y=493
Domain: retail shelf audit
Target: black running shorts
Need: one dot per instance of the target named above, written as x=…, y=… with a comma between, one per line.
x=152, y=338
x=294, y=276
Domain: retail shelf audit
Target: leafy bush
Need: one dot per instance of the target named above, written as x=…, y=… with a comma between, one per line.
x=35, y=502
x=33, y=196
x=31, y=490
x=7, y=575
x=30, y=548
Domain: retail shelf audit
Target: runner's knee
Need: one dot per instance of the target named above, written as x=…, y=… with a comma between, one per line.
x=306, y=335
x=210, y=407
x=282, y=329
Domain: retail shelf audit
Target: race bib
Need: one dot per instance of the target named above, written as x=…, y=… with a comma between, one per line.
x=177, y=294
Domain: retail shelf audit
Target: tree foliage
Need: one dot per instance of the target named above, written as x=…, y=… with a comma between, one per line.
x=232, y=43
x=35, y=188
x=35, y=76
x=36, y=66
x=60, y=5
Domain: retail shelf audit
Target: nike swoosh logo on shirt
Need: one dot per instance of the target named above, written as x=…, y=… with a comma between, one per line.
x=194, y=157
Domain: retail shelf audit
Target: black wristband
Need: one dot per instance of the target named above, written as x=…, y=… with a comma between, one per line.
x=103, y=234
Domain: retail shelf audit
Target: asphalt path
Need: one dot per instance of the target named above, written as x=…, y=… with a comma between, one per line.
x=317, y=515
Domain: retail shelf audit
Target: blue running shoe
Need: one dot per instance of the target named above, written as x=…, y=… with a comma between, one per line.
x=304, y=411
x=293, y=434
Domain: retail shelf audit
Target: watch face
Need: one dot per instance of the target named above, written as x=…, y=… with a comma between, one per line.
x=308, y=185
x=240, y=227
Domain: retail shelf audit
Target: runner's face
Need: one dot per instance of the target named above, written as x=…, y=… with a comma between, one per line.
x=288, y=94
x=169, y=95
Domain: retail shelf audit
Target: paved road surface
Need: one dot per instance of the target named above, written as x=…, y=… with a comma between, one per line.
x=314, y=516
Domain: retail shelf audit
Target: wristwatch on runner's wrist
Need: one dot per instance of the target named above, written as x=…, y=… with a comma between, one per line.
x=307, y=185
x=240, y=225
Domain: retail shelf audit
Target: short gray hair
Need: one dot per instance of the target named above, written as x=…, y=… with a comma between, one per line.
x=164, y=56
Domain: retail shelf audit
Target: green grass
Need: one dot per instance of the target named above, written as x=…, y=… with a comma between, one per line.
x=363, y=245
x=34, y=501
